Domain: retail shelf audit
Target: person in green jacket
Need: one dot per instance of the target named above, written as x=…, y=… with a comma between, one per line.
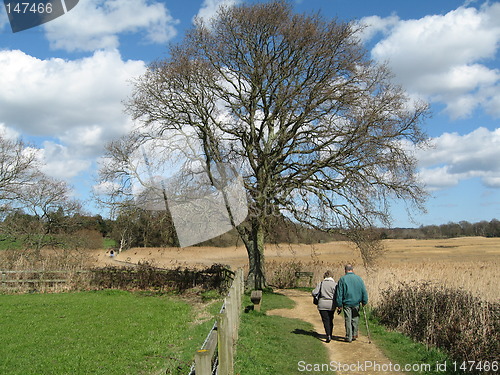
x=351, y=291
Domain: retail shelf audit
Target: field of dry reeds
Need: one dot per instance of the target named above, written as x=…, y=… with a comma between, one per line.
x=468, y=263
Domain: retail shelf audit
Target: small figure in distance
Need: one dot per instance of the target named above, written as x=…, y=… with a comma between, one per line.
x=351, y=291
x=325, y=290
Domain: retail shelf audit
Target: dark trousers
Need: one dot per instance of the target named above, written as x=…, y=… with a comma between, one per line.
x=327, y=318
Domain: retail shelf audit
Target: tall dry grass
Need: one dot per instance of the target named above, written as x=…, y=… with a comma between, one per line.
x=480, y=278
x=451, y=305
x=467, y=327
x=54, y=259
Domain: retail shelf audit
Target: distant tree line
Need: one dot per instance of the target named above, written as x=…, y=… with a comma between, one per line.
x=22, y=230
x=141, y=228
x=137, y=227
x=450, y=230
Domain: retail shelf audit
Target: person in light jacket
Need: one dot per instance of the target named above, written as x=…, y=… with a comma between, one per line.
x=326, y=304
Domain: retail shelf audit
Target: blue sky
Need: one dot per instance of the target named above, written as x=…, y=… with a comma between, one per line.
x=62, y=85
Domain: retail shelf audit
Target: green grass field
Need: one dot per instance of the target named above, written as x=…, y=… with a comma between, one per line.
x=104, y=332
x=270, y=345
x=108, y=243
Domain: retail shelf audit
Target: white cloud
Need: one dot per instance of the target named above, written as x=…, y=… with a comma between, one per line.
x=8, y=133
x=96, y=24
x=438, y=178
x=79, y=99
x=492, y=105
x=56, y=160
x=492, y=182
x=61, y=162
x=444, y=57
x=373, y=25
x=104, y=188
x=78, y=104
x=209, y=8
x=457, y=157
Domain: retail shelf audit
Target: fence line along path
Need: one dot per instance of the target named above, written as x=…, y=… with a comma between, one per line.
x=217, y=352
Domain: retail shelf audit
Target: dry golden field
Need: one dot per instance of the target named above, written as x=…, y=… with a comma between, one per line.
x=471, y=263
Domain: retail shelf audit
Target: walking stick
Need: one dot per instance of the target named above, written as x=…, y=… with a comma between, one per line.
x=366, y=321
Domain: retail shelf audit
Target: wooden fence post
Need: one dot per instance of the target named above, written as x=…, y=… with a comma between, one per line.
x=226, y=366
x=203, y=362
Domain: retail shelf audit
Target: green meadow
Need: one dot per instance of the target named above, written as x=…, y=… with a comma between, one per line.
x=100, y=332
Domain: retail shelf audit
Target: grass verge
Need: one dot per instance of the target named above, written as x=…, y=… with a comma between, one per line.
x=104, y=332
x=275, y=345
x=405, y=351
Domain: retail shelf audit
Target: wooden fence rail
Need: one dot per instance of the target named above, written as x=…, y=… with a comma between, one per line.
x=14, y=279
x=217, y=352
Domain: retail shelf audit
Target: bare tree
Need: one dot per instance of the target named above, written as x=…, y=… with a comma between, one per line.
x=39, y=213
x=18, y=164
x=318, y=132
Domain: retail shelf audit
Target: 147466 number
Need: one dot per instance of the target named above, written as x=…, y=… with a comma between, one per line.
x=29, y=7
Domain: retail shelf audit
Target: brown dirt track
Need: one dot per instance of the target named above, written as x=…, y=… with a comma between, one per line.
x=339, y=352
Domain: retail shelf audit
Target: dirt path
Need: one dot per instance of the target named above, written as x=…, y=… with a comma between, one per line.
x=345, y=355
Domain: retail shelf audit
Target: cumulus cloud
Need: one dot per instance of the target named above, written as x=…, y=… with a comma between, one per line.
x=374, y=25
x=8, y=133
x=444, y=57
x=79, y=99
x=455, y=157
x=61, y=162
x=209, y=8
x=104, y=188
x=96, y=24
x=77, y=103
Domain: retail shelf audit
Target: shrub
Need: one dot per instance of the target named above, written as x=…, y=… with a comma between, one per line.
x=145, y=276
x=282, y=275
x=466, y=327
x=87, y=239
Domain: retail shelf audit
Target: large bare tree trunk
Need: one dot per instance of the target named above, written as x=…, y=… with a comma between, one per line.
x=255, y=249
